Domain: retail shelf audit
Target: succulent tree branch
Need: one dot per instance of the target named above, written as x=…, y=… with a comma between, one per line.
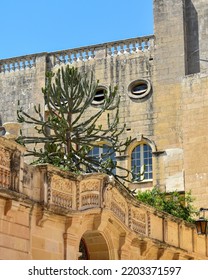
x=67, y=134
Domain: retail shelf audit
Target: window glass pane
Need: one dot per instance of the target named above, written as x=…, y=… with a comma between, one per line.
x=94, y=152
x=99, y=151
x=141, y=161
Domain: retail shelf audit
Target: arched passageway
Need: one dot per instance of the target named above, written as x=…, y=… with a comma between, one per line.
x=93, y=246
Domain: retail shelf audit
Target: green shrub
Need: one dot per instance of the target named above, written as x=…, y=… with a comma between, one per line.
x=173, y=203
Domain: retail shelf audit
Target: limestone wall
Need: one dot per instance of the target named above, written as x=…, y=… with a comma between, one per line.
x=180, y=96
x=21, y=80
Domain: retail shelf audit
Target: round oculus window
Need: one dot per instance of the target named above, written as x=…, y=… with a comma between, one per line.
x=99, y=97
x=139, y=89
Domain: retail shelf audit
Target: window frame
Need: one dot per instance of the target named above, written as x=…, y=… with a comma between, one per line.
x=99, y=102
x=143, y=93
x=142, y=163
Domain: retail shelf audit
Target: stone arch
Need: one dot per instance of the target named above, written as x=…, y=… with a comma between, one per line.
x=95, y=245
x=141, y=140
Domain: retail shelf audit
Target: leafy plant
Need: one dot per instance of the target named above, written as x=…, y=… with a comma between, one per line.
x=173, y=203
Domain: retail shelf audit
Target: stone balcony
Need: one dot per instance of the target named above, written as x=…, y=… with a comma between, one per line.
x=60, y=193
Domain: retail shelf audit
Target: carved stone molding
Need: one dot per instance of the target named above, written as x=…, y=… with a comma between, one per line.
x=5, y=173
x=89, y=194
x=4, y=157
x=15, y=169
x=117, y=203
x=62, y=192
x=89, y=185
x=138, y=221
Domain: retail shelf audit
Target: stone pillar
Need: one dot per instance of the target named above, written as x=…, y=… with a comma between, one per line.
x=71, y=248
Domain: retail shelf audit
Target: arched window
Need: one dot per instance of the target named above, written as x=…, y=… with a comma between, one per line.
x=141, y=162
x=103, y=152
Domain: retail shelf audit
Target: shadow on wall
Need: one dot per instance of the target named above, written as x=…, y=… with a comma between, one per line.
x=191, y=38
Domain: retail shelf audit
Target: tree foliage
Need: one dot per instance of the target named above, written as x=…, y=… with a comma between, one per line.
x=173, y=203
x=67, y=135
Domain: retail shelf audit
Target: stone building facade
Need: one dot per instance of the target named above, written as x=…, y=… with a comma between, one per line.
x=162, y=81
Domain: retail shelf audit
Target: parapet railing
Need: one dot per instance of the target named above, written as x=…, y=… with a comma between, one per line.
x=128, y=46
x=122, y=47
x=11, y=163
x=5, y=173
x=17, y=63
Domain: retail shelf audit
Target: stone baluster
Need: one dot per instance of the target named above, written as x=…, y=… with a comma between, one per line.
x=109, y=50
x=7, y=67
x=89, y=54
x=140, y=45
x=80, y=58
x=3, y=68
x=23, y=64
x=134, y=47
x=146, y=45
x=127, y=48
x=93, y=53
x=115, y=50
x=66, y=58
x=75, y=57
x=122, y=48
x=71, y=59
x=86, y=54
x=81, y=55
x=13, y=66
x=26, y=64
x=18, y=65
x=29, y=63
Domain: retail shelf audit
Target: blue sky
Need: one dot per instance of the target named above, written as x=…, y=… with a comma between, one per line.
x=33, y=26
